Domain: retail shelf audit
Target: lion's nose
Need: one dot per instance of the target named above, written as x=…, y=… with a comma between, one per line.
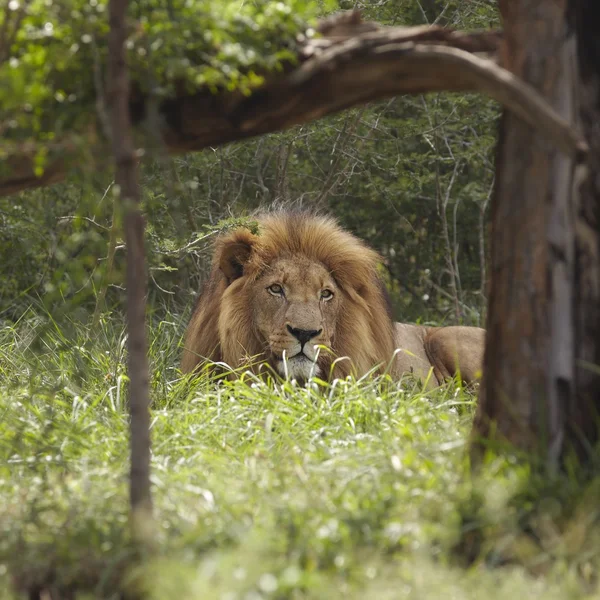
x=304, y=335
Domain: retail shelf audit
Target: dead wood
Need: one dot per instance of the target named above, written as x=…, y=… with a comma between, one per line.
x=354, y=62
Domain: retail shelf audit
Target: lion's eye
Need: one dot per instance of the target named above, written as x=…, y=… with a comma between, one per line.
x=326, y=295
x=275, y=289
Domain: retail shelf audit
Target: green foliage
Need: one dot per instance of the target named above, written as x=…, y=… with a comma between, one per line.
x=351, y=490
x=225, y=225
x=53, y=74
x=383, y=170
x=447, y=13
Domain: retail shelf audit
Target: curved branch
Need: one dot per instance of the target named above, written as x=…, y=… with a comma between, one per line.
x=354, y=63
x=350, y=74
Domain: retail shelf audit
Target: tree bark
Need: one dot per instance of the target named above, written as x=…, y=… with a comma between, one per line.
x=348, y=67
x=544, y=302
x=127, y=186
x=584, y=411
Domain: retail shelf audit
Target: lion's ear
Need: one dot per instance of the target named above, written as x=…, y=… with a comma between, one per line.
x=235, y=252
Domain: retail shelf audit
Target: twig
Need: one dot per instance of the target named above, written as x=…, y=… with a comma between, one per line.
x=482, y=258
x=442, y=208
x=110, y=261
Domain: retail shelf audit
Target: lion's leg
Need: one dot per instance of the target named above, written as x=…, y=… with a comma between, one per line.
x=456, y=349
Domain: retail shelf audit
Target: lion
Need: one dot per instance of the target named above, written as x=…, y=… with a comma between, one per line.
x=305, y=296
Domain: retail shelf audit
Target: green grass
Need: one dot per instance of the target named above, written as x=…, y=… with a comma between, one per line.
x=352, y=490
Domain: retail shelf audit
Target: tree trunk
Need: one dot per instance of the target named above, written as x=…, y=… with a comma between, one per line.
x=126, y=180
x=584, y=411
x=544, y=297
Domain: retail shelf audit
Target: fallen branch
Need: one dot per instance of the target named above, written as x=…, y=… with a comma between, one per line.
x=354, y=63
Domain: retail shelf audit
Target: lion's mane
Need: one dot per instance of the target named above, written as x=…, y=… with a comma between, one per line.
x=222, y=328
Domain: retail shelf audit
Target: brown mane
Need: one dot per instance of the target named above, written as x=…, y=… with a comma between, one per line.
x=222, y=328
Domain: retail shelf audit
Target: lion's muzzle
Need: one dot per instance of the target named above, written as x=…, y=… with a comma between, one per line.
x=296, y=354
x=304, y=335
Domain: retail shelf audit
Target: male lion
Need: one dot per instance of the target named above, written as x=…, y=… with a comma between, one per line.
x=302, y=282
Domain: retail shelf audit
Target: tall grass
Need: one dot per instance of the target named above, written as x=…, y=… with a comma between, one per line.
x=355, y=489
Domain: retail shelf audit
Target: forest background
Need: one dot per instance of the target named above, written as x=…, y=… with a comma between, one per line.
x=411, y=175
x=346, y=490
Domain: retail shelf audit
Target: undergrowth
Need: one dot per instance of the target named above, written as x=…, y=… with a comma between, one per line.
x=355, y=489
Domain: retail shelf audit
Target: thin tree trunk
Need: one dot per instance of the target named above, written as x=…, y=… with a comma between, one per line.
x=482, y=254
x=337, y=152
x=126, y=179
x=529, y=364
x=442, y=206
x=282, y=189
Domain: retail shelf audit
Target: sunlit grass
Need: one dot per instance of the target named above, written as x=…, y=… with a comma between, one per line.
x=261, y=490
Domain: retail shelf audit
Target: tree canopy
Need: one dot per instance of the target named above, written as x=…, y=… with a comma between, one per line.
x=53, y=59
x=225, y=82
x=411, y=175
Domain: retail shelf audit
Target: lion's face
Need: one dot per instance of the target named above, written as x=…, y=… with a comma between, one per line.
x=295, y=303
x=301, y=282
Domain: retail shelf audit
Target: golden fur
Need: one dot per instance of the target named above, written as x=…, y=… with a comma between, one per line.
x=304, y=281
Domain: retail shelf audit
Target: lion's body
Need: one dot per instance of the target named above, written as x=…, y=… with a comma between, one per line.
x=442, y=350
x=304, y=282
